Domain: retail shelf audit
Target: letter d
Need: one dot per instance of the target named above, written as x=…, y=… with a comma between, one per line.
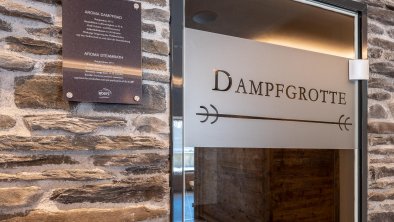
x=230, y=81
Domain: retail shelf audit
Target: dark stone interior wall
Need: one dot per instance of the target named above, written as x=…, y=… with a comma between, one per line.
x=62, y=161
x=381, y=110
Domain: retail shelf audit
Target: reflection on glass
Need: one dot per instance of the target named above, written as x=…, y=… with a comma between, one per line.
x=282, y=22
x=185, y=164
x=177, y=178
x=271, y=184
x=241, y=184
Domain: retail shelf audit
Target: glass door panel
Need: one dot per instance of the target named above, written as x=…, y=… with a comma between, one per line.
x=271, y=183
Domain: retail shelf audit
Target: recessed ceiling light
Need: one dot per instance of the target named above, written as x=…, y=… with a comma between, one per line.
x=204, y=17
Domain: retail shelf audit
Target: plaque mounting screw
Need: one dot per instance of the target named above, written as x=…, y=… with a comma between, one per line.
x=136, y=6
x=69, y=95
x=136, y=98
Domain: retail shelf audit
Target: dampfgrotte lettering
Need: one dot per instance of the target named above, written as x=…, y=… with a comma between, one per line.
x=224, y=82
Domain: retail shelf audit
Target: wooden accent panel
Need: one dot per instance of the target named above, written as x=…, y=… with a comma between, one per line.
x=267, y=185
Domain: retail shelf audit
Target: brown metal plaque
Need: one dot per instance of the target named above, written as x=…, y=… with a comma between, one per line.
x=102, y=51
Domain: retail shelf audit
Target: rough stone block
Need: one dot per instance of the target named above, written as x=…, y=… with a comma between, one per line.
x=132, y=191
x=149, y=28
x=5, y=26
x=51, y=31
x=11, y=61
x=154, y=46
x=41, y=143
x=8, y=7
x=381, y=217
x=63, y=174
x=143, y=163
x=384, y=16
x=384, y=183
x=391, y=107
x=382, y=83
x=70, y=123
x=154, y=64
x=378, y=172
x=127, y=214
x=379, y=96
x=375, y=53
x=156, y=77
x=375, y=196
x=11, y=161
x=384, y=68
x=29, y=45
x=382, y=151
x=165, y=33
x=150, y=124
x=38, y=92
x=377, y=111
x=382, y=43
x=375, y=29
x=50, y=1
x=388, y=56
x=6, y=122
x=381, y=127
x=161, y=167
x=156, y=2
x=127, y=143
x=81, y=143
x=380, y=140
x=18, y=197
x=153, y=101
x=155, y=14
x=391, y=33
x=385, y=160
x=53, y=67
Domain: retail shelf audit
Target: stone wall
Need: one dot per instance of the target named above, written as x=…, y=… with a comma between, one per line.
x=63, y=161
x=381, y=110
x=77, y=161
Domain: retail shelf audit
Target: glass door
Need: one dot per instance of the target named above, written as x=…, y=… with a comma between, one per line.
x=269, y=128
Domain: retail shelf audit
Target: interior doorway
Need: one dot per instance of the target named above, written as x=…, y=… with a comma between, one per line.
x=247, y=177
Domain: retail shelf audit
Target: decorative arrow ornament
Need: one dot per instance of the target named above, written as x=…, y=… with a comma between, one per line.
x=343, y=121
